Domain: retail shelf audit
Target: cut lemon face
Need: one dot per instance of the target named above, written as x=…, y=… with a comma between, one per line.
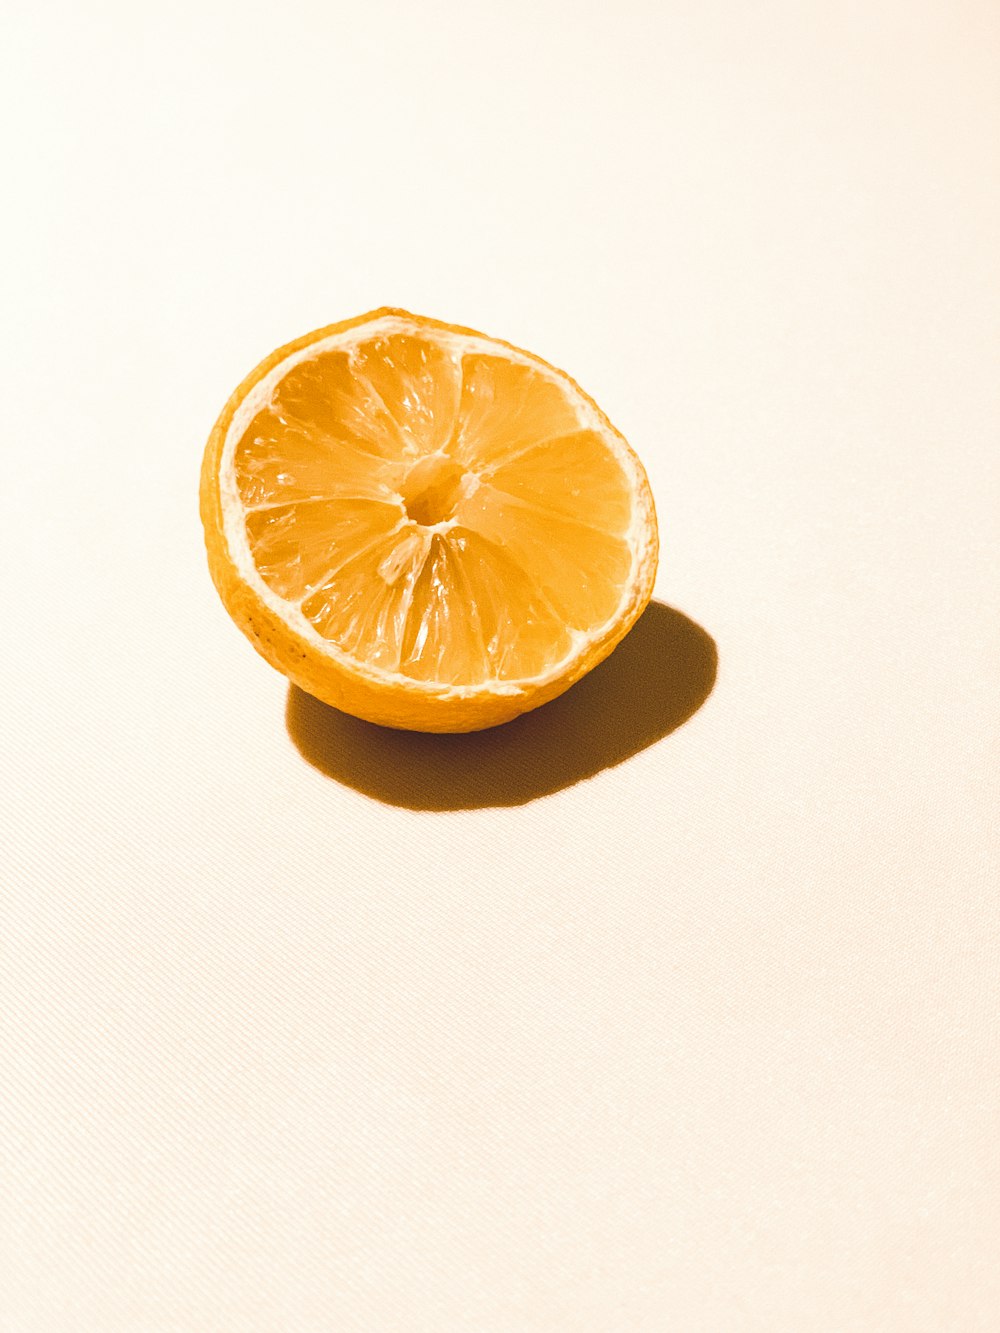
x=423, y=526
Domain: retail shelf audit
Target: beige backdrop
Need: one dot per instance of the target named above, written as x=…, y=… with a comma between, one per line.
x=674, y=1008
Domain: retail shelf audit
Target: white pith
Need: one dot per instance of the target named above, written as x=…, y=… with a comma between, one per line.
x=640, y=536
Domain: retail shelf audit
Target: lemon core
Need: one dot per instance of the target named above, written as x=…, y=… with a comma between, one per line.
x=433, y=488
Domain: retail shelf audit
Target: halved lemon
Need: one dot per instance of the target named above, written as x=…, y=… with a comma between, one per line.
x=423, y=526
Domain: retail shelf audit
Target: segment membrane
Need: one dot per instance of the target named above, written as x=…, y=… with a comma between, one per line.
x=505, y=407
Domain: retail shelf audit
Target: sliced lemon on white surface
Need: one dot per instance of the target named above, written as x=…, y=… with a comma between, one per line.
x=424, y=526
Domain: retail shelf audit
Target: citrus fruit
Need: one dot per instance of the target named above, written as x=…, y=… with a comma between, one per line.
x=423, y=526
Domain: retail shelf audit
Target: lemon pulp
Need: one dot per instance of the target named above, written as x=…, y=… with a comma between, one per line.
x=444, y=515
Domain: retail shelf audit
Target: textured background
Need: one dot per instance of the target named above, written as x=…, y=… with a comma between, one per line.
x=672, y=1008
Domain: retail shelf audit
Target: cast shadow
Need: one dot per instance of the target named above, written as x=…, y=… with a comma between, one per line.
x=657, y=678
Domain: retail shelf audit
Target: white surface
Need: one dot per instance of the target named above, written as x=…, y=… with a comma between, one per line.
x=707, y=1041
